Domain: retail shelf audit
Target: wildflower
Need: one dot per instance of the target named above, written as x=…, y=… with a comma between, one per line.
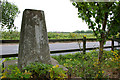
x=3, y=77
x=29, y=73
x=31, y=76
x=96, y=59
x=25, y=71
x=70, y=59
x=64, y=64
x=57, y=65
x=112, y=51
x=4, y=60
x=99, y=72
x=84, y=35
x=117, y=54
x=16, y=73
x=62, y=75
x=102, y=71
x=96, y=75
x=58, y=76
x=49, y=70
x=53, y=67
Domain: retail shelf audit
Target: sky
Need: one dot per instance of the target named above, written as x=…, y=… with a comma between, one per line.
x=60, y=15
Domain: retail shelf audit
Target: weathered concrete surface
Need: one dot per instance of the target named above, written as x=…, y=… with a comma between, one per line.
x=55, y=62
x=33, y=45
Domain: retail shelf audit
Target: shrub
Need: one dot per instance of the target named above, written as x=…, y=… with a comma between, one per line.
x=86, y=65
x=35, y=70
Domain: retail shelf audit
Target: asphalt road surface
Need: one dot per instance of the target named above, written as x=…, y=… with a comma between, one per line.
x=13, y=48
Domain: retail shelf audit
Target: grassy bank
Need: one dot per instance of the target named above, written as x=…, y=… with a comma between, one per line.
x=78, y=65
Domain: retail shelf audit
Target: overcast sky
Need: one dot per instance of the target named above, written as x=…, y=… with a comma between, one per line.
x=60, y=15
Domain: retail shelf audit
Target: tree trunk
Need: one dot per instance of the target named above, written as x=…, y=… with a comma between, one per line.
x=101, y=51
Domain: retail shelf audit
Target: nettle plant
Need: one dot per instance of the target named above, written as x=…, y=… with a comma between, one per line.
x=102, y=17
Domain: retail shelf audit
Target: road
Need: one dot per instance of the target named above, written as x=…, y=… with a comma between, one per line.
x=13, y=48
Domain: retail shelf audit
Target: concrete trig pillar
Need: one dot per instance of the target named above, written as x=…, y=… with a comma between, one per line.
x=33, y=45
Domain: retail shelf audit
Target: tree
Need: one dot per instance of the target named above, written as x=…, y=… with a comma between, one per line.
x=102, y=17
x=9, y=12
x=89, y=31
x=77, y=31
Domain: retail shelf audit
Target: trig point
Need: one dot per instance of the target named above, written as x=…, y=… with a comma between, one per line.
x=33, y=45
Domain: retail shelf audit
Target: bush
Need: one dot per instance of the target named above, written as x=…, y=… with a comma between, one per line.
x=35, y=70
x=78, y=65
x=86, y=65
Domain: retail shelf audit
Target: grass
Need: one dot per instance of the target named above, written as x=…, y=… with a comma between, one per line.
x=15, y=35
x=51, y=35
x=86, y=65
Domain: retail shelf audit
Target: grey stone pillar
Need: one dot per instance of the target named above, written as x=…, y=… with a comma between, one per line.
x=33, y=45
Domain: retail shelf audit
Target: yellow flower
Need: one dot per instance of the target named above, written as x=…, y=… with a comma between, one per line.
x=70, y=59
x=62, y=75
x=58, y=76
x=49, y=70
x=64, y=64
x=25, y=71
x=29, y=73
x=102, y=71
x=57, y=65
x=96, y=75
x=84, y=35
x=15, y=73
x=112, y=51
x=99, y=72
x=31, y=76
x=96, y=59
x=3, y=77
x=53, y=67
x=4, y=60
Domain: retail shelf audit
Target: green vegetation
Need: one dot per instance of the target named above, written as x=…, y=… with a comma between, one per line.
x=87, y=65
x=82, y=31
x=71, y=35
x=103, y=22
x=14, y=35
x=34, y=70
x=78, y=65
x=9, y=12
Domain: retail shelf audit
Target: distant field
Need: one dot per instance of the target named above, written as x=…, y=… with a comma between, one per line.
x=69, y=35
x=51, y=35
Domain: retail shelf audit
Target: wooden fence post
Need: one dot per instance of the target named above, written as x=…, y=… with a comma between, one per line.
x=84, y=44
x=112, y=44
x=119, y=38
